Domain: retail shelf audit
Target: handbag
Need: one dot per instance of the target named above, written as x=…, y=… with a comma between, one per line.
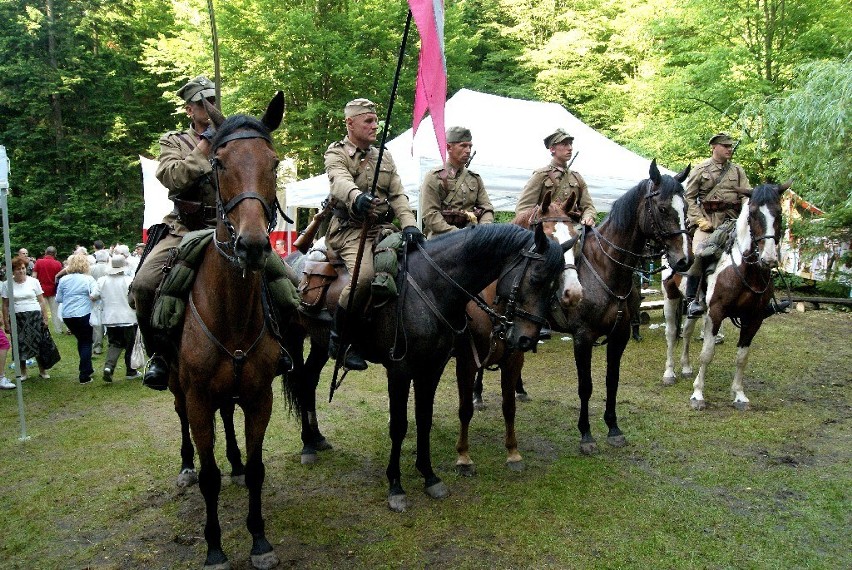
x=48, y=353
x=137, y=357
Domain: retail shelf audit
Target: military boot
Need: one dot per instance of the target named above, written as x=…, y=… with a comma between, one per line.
x=352, y=360
x=696, y=307
x=157, y=345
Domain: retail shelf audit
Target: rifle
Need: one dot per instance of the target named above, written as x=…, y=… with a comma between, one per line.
x=306, y=237
x=573, y=158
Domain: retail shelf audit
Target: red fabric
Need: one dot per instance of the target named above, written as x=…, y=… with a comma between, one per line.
x=46, y=269
x=430, y=91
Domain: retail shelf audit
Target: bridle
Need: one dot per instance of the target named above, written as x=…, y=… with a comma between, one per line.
x=752, y=257
x=656, y=226
x=228, y=248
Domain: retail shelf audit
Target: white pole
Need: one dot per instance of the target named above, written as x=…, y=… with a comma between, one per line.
x=10, y=280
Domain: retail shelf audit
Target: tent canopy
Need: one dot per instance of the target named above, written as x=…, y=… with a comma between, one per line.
x=508, y=138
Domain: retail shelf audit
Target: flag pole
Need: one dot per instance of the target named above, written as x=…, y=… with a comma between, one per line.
x=341, y=346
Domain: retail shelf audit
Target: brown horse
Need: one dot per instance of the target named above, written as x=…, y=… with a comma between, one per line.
x=654, y=209
x=228, y=354
x=481, y=348
x=740, y=288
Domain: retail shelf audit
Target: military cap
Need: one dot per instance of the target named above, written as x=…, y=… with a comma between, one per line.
x=197, y=89
x=358, y=107
x=721, y=138
x=558, y=136
x=458, y=134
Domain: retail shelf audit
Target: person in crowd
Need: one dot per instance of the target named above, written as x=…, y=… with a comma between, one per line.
x=281, y=248
x=118, y=317
x=184, y=170
x=453, y=196
x=75, y=294
x=45, y=270
x=31, y=314
x=350, y=164
x=558, y=178
x=97, y=246
x=133, y=259
x=98, y=270
x=24, y=253
x=5, y=346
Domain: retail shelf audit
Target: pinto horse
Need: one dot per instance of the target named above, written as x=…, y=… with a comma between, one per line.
x=413, y=335
x=228, y=354
x=740, y=288
x=654, y=209
x=481, y=348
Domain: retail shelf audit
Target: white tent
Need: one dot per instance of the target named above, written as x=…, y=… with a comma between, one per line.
x=508, y=138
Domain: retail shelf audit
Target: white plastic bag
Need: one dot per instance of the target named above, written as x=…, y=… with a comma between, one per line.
x=137, y=357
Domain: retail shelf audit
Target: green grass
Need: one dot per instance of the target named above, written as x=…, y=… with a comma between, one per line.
x=93, y=486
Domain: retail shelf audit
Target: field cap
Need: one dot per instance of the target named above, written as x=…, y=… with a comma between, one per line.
x=197, y=89
x=721, y=138
x=558, y=136
x=117, y=263
x=458, y=134
x=358, y=107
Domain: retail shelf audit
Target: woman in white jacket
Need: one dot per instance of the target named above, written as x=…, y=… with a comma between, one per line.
x=118, y=318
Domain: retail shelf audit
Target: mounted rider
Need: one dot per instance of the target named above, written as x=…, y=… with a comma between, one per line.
x=454, y=197
x=351, y=165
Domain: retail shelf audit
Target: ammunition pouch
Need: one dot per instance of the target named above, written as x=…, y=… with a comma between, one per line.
x=194, y=215
x=317, y=277
x=713, y=206
x=461, y=218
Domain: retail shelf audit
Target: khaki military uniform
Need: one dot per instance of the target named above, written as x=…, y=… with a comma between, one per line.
x=702, y=189
x=464, y=191
x=350, y=172
x=564, y=184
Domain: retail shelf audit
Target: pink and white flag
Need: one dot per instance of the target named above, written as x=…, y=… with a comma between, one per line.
x=430, y=92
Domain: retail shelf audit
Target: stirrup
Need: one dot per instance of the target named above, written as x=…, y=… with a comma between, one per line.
x=695, y=309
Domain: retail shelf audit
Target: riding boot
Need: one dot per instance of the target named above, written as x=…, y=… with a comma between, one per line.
x=157, y=345
x=352, y=360
x=774, y=307
x=696, y=307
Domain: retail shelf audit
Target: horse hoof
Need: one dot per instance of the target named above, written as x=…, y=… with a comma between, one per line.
x=187, y=478
x=226, y=565
x=669, y=380
x=238, y=480
x=264, y=561
x=398, y=503
x=438, y=491
x=322, y=445
x=309, y=458
x=516, y=466
x=478, y=405
x=588, y=447
x=686, y=373
x=742, y=406
x=617, y=440
x=466, y=469
x=697, y=405
x=522, y=397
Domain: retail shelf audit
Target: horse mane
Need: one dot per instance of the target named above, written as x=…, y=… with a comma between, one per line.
x=237, y=122
x=765, y=194
x=623, y=213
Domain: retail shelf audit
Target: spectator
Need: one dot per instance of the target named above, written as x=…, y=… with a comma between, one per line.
x=45, y=270
x=134, y=258
x=74, y=292
x=26, y=255
x=118, y=317
x=5, y=383
x=98, y=270
x=30, y=314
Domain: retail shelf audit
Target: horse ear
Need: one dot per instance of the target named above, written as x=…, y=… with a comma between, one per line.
x=654, y=172
x=274, y=112
x=681, y=176
x=786, y=186
x=542, y=242
x=545, y=201
x=569, y=204
x=216, y=116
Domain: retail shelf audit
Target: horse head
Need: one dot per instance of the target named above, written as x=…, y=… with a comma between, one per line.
x=244, y=169
x=759, y=224
x=527, y=287
x=665, y=216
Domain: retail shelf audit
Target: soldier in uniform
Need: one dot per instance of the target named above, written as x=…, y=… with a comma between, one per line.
x=557, y=177
x=453, y=196
x=184, y=170
x=350, y=165
x=714, y=194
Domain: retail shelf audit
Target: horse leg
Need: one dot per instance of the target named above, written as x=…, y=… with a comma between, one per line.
x=708, y=350
x=670, y=311
x=187, y=476
x=510, y=374
x=232, y=448
x=614, y=351
x=398, y=390
x=257, y=416
x=312, y=439
x=424, y=403
x=465, y=373
x=520, y=392
x=747, y=332
x=583, y=360
x=688, y=330
x=478, y=401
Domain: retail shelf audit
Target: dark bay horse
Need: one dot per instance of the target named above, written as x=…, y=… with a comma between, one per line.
x=740, y=288
x=654, y=209
x=413, y=335
x=480, y=348
x=228, y=354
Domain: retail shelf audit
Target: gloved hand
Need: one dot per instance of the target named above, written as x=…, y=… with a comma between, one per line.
x=363, y=205
x=412, y=237
x=208, y=133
